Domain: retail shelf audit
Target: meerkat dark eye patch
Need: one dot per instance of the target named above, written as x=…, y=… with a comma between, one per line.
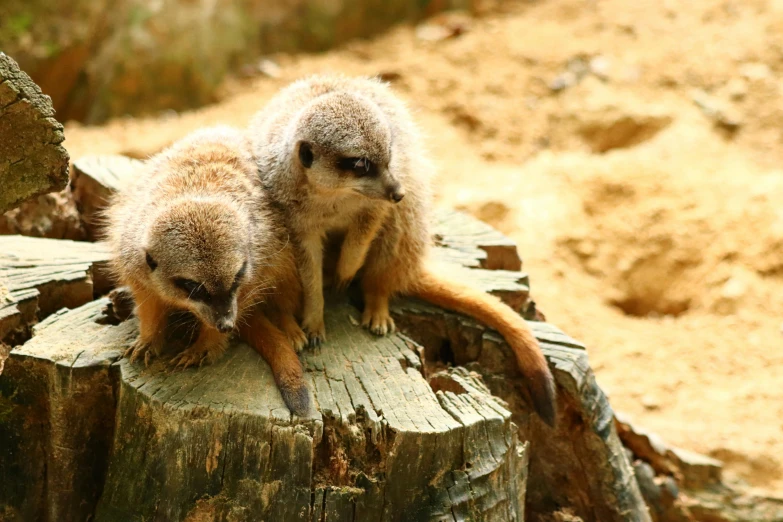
x=195, y=291
x=359, y=167
x=240, y=275
x=306, y=154
x=151, y=262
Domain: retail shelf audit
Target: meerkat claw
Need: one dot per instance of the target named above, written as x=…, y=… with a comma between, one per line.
x=184, y=360
x=139, y=348
x=379, y=325
x=316, y=340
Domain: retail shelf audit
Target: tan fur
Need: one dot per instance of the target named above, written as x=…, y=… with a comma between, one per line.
x=339, y=117
x=199, y=211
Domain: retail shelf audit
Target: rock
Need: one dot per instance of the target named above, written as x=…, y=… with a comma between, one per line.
x=646, y=446
x=682, y=486
x=32, y=159
x=650, y=403
x=600, y=66
x=616, y=129
x=722, y=114
x=269, y=68
x=697, y=471
x=732, y=293
x=737, y=89
x=443, y=27
x=755, y=71
x=575, y=69
x=729, y=504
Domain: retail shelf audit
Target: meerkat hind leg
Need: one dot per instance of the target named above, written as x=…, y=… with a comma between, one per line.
x=209, y=346
x=311, y=270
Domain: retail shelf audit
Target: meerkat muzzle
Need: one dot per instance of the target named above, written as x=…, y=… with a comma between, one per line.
x=225, y=325
x=395, y=192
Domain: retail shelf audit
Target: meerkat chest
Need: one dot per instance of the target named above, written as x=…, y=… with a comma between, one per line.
x=332, y=215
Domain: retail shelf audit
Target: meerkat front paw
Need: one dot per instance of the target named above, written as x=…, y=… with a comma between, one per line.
x=378, y=322
x=197, y=356
x=315, y=330
x=209, y=346
x=147, y=348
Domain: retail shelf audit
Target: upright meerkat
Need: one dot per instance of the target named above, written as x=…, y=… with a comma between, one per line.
x=194, y=232
x=343, y=156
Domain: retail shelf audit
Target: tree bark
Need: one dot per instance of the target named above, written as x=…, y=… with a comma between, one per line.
x=32, y=159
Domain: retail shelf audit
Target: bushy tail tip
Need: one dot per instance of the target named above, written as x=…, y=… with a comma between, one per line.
x=297, y=398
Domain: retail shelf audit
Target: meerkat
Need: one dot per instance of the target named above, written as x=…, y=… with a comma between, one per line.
x=343, y=156
x=194, y=232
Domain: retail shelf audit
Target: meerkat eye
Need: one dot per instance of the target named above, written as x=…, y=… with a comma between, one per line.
x=306, y=155
x=151, y=262
x=360, y=167
x=195, y=291
x=240, y=275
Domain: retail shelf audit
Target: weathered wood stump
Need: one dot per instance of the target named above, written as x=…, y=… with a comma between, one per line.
x=40, y=276
x=383, y=444
x=57, y=416
x=32, y=159
x=93, y=181
x=399, y=433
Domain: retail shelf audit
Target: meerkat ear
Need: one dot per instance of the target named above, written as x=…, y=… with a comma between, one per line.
x=306, y=154
x=151, y=262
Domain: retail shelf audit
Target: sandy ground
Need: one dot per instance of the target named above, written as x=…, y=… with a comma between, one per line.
x=632, y=151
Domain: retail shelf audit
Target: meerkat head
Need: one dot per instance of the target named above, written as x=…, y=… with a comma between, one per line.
x=343, y=142
x=197, y=253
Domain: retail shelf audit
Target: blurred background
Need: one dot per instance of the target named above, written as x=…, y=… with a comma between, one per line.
x=631, y=149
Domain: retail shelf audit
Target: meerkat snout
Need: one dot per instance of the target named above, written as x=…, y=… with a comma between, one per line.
x=225, y=324
x=224, y=314
x=396, y=192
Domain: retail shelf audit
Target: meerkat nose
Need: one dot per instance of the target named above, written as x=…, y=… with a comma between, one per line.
x=397, y=196
x=225, y=326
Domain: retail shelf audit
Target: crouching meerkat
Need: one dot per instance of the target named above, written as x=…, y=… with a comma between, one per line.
x=194, y=232
x=343, y=156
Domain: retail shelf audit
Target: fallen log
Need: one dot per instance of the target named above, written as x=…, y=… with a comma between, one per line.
x=32, y=158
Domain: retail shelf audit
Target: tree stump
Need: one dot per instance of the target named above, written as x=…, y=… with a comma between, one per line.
x=32, y=159
x=431, y=423
x=57, y=416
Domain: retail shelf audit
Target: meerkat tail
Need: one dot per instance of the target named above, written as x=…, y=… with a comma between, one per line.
x=276, y=349
x=491, y=311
